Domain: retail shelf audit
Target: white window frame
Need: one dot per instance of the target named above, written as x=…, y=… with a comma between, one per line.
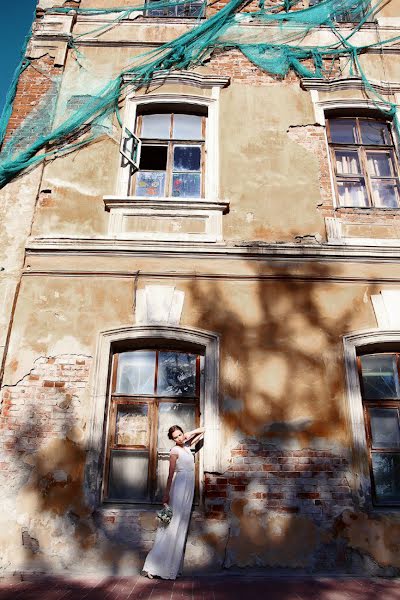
x=352, y=345
x=203, y=342
x=134, y=101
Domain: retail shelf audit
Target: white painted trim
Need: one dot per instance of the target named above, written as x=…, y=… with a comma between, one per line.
x=204, y=342
x=192, y=78
x=352, y=343
x=334, y=231
x=332, y=252
x=134, y=100
x=348, y=83
x=165, y=208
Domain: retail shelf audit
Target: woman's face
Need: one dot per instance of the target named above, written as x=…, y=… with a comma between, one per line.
x=177, y=437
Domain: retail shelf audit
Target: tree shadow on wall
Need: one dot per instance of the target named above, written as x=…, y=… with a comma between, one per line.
x=281, y=393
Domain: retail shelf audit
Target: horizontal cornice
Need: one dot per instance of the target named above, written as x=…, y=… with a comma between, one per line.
x=349, y=83
x=242, y=251
x=186, y=77
x=124, y=202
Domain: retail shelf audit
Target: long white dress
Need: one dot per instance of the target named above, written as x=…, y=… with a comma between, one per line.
x=166, y=557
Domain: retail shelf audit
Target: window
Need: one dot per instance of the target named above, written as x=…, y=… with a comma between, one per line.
x=380, y=388
x=364, y=162
x=172, y=155
x=184, y=9
x=150, y=391
x=352, y=14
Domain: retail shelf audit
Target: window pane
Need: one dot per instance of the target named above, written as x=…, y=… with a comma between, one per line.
x=173, y=413
x=136, y=372
x=176, y=374
x=196, y=9
x=347, y=162
x=343, y=131
x=380, y=377
x=153, y=158
x=352, y=193
x=128, y=475
x=132, y=425
x=374, y=132
x=150, y=183
x=187, y=127
x=384, y=427
x=187, y=158
x=186, y=185
x=156, y=126
x=386, y=470
x=380, y=164
x=385, y=194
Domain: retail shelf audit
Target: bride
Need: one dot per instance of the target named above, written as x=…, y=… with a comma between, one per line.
x=165, y=559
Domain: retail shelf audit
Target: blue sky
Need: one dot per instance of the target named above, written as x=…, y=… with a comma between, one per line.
x=16, y=19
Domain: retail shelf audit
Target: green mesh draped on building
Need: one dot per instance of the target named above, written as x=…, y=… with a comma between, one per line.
x=276, y=39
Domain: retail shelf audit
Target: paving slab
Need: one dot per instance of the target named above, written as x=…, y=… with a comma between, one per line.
x=211, y=587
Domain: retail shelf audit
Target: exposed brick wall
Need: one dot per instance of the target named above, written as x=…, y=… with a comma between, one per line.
x=41, y=407
x=313, y=139
x=233, y=64
x=35, y=84
x=307, y=482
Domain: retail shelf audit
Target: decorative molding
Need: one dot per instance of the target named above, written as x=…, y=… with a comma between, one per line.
x=335, y=235
x=386, y=306
x=192, y=78
x=114, y=202
x=331, y=252
x=51, y=35
x=165, y=219
x=352, y=343
x=159, y=304
x=204, y=342
x=348, y=83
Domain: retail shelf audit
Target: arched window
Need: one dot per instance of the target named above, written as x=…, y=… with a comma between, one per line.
x=380, y=390
x=372, y=361
x=151, y=389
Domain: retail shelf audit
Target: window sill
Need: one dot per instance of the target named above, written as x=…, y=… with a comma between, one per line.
x=165, y=219
x=363, y=231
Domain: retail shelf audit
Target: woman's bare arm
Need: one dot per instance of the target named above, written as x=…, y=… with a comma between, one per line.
x=194, y=436
x=172, y=463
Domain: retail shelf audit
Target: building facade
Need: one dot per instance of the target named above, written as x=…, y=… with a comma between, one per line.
x=241, y=273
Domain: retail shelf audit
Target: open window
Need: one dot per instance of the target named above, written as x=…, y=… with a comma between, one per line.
x=364, y=162
x=151, y=390
x=172, y=155
x=380, y=390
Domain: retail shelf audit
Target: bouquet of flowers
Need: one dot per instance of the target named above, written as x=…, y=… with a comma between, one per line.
x=165, y=515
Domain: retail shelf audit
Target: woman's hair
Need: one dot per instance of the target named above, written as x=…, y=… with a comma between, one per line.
x=172, y=429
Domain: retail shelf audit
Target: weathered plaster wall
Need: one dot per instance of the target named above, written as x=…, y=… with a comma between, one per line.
x=287, y=479
x=286, y=496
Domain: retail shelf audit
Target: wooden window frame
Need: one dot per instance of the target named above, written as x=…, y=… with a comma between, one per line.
x=170, y=143
x=379, y=403
x=362, y=151
x=166, y=11
x=153, y=402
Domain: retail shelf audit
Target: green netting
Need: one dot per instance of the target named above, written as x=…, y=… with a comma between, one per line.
x=277, y=44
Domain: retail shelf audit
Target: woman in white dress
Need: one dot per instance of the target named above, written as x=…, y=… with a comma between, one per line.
x=166, y=557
